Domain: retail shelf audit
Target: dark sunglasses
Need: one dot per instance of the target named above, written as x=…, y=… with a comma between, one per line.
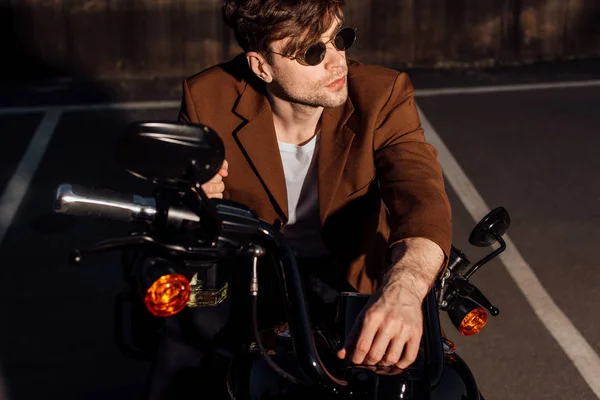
x=314, y=54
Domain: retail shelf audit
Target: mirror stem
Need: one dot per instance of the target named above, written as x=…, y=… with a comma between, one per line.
x=488, y=257
x=199, y=203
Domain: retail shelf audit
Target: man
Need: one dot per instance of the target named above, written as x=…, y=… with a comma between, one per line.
x=332, y=153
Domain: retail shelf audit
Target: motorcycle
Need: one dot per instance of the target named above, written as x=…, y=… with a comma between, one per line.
x=189, y=234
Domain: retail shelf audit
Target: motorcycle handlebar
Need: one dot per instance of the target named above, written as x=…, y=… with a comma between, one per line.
x=297, y=309
x=81, y=201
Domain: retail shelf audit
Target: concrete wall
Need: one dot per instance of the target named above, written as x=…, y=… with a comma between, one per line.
x=142, y=38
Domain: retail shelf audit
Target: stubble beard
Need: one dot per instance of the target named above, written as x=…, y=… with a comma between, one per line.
x=317, y=96
x=326, y=98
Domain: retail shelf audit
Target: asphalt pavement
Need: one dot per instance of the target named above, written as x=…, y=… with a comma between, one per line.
x=532, y=151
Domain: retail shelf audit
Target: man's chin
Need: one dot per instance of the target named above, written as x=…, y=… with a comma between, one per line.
x=331, y=100
x=336, y=99
x=337, y=102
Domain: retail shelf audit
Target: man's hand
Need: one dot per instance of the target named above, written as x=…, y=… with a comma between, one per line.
x=388, y=331
x=215, y=187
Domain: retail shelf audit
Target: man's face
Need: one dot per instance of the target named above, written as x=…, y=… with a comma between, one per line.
x=322, y=85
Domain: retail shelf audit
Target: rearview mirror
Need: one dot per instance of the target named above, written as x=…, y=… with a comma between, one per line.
x=174, y=154
x=495, y=223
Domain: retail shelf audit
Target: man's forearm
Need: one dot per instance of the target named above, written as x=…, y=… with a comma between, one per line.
x=416, y=263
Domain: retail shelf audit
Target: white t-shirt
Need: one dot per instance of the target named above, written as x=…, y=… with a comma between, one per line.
x=303, y=230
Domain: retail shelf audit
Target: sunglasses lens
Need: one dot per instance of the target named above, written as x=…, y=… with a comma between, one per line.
x=315, y=53
x=344, y=39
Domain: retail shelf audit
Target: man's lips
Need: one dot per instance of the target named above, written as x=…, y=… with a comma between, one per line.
x=337, y=82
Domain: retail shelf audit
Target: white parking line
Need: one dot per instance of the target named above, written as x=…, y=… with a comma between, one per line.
x=506, y=88
x=419, y=93
x=132, y=105
x=556, y=322
x=19, y=183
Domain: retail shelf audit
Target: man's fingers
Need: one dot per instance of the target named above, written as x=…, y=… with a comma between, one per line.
x=394, y=351
x=351, y=339
x=411, y=349
x=213, y=188
x=214, y=195
x=388, y=344
x=216, y=184
x=379, y=346
x=216, y=179
x=362, y=346
x=224, y=169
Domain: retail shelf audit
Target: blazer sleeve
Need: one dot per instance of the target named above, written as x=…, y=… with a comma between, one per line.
x=188, y=114
x=409, y=174
x=187, y=111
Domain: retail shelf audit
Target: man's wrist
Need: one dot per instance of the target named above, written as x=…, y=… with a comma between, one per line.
x=403, y=284
x=415, y=265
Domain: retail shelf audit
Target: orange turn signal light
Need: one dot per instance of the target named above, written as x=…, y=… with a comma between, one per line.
x=168, y=295
x=467, y=316
x=473, y=322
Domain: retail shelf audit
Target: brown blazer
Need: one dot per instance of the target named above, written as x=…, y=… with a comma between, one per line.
x=379, y=181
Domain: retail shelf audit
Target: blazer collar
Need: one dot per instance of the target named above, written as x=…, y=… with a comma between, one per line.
x=252, y=101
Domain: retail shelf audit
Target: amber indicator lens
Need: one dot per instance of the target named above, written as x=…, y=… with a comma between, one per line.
x=168, y=295
x=467, y=316
x=473, y=322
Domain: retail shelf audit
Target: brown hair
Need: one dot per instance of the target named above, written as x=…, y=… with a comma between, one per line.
x=258, y=23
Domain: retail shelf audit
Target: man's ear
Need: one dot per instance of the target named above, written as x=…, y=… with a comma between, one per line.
x=259, y=65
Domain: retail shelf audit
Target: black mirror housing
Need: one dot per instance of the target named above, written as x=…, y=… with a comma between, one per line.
x=173, y=154
x=493, y=225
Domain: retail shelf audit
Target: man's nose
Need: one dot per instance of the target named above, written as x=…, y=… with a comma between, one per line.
x=334, y=57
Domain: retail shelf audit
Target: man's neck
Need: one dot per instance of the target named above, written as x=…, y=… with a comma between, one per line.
x=294, y=123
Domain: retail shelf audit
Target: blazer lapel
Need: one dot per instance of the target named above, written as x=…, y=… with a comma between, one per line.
x=334, y=146
x=258, y=141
